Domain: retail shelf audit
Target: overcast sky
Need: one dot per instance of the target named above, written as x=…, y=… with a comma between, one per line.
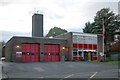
x=16, y=15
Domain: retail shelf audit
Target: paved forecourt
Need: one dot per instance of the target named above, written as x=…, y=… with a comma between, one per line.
x=59, y=70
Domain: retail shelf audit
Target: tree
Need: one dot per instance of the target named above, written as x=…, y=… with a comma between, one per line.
x=88, y=28
x=55, y=31
x=108, y=19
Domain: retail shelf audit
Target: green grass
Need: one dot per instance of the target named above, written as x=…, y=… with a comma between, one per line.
x=107, y=62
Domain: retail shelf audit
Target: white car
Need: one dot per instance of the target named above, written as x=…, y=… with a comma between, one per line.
x=2, y=58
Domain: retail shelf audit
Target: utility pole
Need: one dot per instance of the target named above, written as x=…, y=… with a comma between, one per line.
x=103, y=36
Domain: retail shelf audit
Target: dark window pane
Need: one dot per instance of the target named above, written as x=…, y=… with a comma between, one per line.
x=74, y=53
x=45, y=53
x=23, y=53
x=57, y=53
x=94, y=54
x=32, y=53
x=80, y=53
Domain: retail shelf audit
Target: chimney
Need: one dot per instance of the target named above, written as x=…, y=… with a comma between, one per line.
x=37, y=25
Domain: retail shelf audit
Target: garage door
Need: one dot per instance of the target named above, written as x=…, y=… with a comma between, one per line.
x=51, y=52
x=30, y=52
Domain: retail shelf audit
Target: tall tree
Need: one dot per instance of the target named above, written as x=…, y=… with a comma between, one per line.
x=108, y=19
x=55, y=31
x=88, y=27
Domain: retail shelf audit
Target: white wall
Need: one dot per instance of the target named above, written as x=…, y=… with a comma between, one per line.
x=84, y=38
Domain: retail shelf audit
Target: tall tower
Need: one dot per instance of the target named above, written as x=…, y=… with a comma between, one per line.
x=37, y=25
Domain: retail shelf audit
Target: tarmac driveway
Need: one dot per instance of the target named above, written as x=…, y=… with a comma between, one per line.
x=59, y=70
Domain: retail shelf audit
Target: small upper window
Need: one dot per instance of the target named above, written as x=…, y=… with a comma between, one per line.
x=74, y=49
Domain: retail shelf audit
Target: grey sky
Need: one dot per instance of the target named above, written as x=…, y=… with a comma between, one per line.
x=6, y=35
x=16, y=15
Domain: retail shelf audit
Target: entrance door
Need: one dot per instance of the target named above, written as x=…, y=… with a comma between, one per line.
x=86, y=56
x=90, y=56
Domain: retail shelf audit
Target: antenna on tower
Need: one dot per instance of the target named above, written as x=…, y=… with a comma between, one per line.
x=37, y=11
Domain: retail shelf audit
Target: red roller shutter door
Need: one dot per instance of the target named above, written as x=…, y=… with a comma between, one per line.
x=30, y=52
x=23, y=52
x=57, y=53
x=27, y=53
x=37, y=52
x=47, y=51
x=51, y=52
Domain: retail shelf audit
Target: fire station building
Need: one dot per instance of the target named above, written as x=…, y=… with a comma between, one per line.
x=68, y=46
x=82, y=46
x=29, y=49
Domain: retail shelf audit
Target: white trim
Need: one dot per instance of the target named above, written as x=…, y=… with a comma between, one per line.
x=88, y=50
x=85, y=34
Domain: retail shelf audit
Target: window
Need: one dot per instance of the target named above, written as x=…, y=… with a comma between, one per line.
x=94, y=40
x=75, y=39
x=23, y=53
x=74, y=53
x=94, y=54
x=80, y=53
x=41, y=52
x=52, y=53
x=27, y=53
x=45, y=53
x=32, y=53
x=57, y=53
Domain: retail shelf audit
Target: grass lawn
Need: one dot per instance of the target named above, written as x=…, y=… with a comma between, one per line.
x=106, y=62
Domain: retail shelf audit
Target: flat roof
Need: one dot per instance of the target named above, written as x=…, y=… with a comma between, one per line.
x=36, y=37
x=79, y=33
x=84, y=34
x=63, y=34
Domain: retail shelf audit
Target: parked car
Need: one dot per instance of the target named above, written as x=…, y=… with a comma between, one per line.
x=2, y=58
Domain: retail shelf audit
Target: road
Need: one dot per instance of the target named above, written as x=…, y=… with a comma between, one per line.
x=59, y=70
